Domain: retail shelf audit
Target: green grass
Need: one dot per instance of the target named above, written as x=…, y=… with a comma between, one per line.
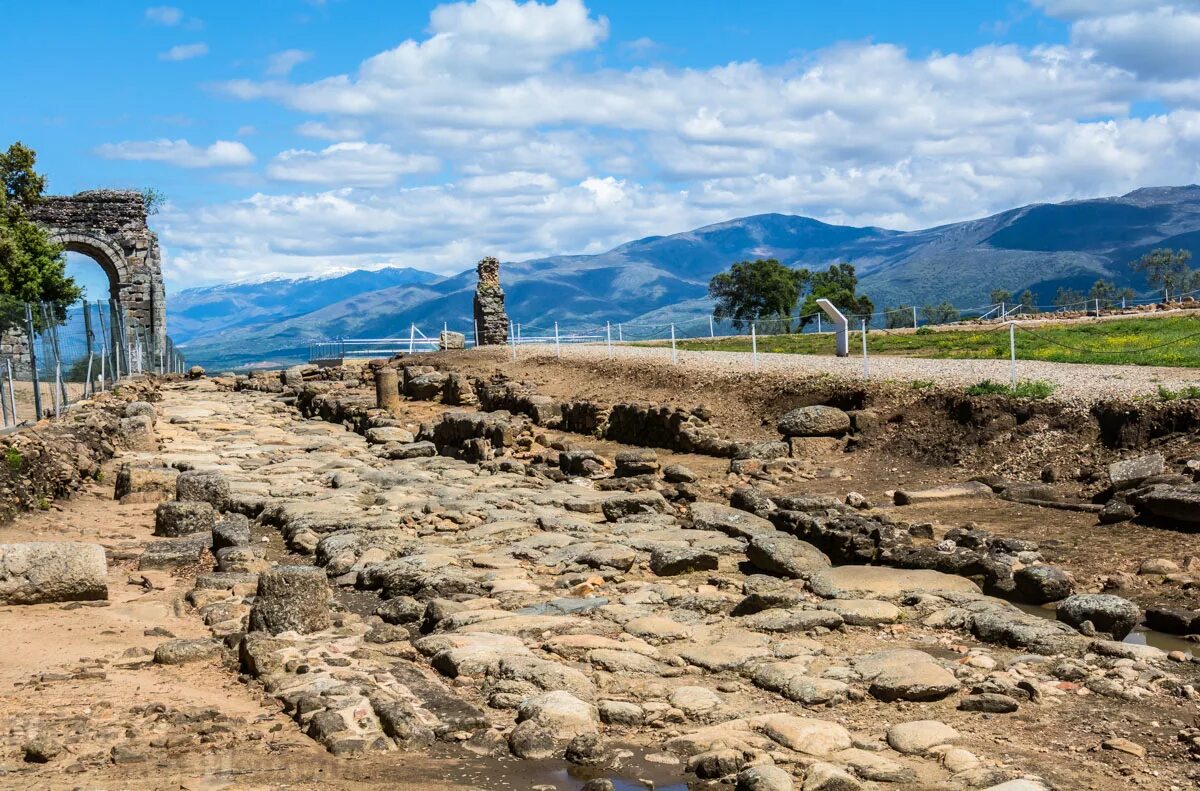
x=1032, y=388
x=1169, y=341
x=1187, y=392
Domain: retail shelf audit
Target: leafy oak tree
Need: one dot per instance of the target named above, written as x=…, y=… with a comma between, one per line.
x=839, y=285
x=32, y=269
x=1168, y=269
x=756, y=291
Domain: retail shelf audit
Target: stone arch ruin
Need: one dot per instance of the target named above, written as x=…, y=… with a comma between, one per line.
x=109, y=226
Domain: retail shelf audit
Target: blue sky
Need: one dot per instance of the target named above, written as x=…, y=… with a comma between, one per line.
x=296, y=137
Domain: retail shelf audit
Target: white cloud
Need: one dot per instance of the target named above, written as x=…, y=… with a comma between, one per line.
x=164, y=15
x=323, y=131
x=530, y=146
x=184, y=52
x=354, y=164
x=281, y=64
x=1160, y=43
x=222, y=153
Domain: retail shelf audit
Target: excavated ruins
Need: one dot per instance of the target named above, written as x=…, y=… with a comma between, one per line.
x=452, y=572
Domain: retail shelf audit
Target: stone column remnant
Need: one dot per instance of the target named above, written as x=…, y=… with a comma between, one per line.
x=491, y=322
x=387, y=389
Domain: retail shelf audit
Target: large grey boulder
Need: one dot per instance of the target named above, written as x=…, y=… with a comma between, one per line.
x=634, y=504
x=814, y=421
x=137, y=433
x=670, y=561
x=1106, y=612
x=291, y=599
x=176, y=518
x=786, y=555
x=426, y=387
x=1175, y=503
x=232, y=531
x=732, y=522
x=208, y=486
x=1041, y=584
x=37, y=572
x=1129, y=473
x=135, y=408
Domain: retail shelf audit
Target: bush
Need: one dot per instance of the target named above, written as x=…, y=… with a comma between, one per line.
x=1029, y=388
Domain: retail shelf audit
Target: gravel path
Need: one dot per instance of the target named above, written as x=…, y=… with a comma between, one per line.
x=1072, y=381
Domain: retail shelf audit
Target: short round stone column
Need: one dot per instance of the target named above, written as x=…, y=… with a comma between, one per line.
x=387, y=389
x=291, y=599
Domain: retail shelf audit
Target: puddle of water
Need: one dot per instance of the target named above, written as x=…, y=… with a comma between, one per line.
x=632, y=775
x=1139, y=636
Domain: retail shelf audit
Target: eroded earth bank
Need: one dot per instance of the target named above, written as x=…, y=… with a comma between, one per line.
x=521, y=575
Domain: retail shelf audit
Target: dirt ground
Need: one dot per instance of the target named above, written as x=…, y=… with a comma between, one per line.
x=82, y=673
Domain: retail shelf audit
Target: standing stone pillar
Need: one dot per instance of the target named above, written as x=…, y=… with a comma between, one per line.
x=387, y=389
x=491, y=321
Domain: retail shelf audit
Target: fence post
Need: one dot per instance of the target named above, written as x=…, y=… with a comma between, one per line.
x=87, y=333
x=4, y=402
x=475, y=330
x=818, y=323
x=12, y=399
x=711, y=334
x=1012, y=353
x=866, y=369
x=620, y=334
x=412, y=337
x=608, y=337
x=58, y=383
x=512, y=341
x=754, y=346
x=1097, y=307
x=914, y=317
x=37, y=389
x=557, y=345
x=674, y=354
x=518, y=326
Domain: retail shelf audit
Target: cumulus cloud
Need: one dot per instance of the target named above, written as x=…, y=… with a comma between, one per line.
x=222, y=153
x=184, y=52
x=354, y=164
x=281, y=64
x=164, y=15
x=531, y=146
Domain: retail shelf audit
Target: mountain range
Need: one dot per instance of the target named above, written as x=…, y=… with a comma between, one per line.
x=661, y=279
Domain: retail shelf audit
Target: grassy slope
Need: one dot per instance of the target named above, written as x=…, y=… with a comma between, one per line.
x=1126, y=342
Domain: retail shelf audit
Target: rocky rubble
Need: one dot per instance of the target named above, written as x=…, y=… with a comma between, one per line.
x=487, y=598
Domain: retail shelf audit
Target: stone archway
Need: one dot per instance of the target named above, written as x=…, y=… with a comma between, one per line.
x=109, y=226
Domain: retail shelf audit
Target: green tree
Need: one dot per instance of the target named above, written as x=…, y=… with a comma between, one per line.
x=897, y=317
x=943, y=313
x=1001, y=295
x=32, y=269
x=1167, y=269
x=1069, y=298
x=839, y=285
x=755, y=291
x=1027, y=300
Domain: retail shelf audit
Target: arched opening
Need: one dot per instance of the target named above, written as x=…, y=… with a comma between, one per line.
x=98, y=282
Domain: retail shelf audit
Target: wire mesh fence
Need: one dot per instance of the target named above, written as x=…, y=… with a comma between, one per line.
x=53, y=356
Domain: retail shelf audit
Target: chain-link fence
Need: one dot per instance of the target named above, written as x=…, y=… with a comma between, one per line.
x=52, y=356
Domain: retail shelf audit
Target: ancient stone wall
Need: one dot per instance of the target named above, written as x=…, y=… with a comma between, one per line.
x=491, y=322
x=109, y=226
